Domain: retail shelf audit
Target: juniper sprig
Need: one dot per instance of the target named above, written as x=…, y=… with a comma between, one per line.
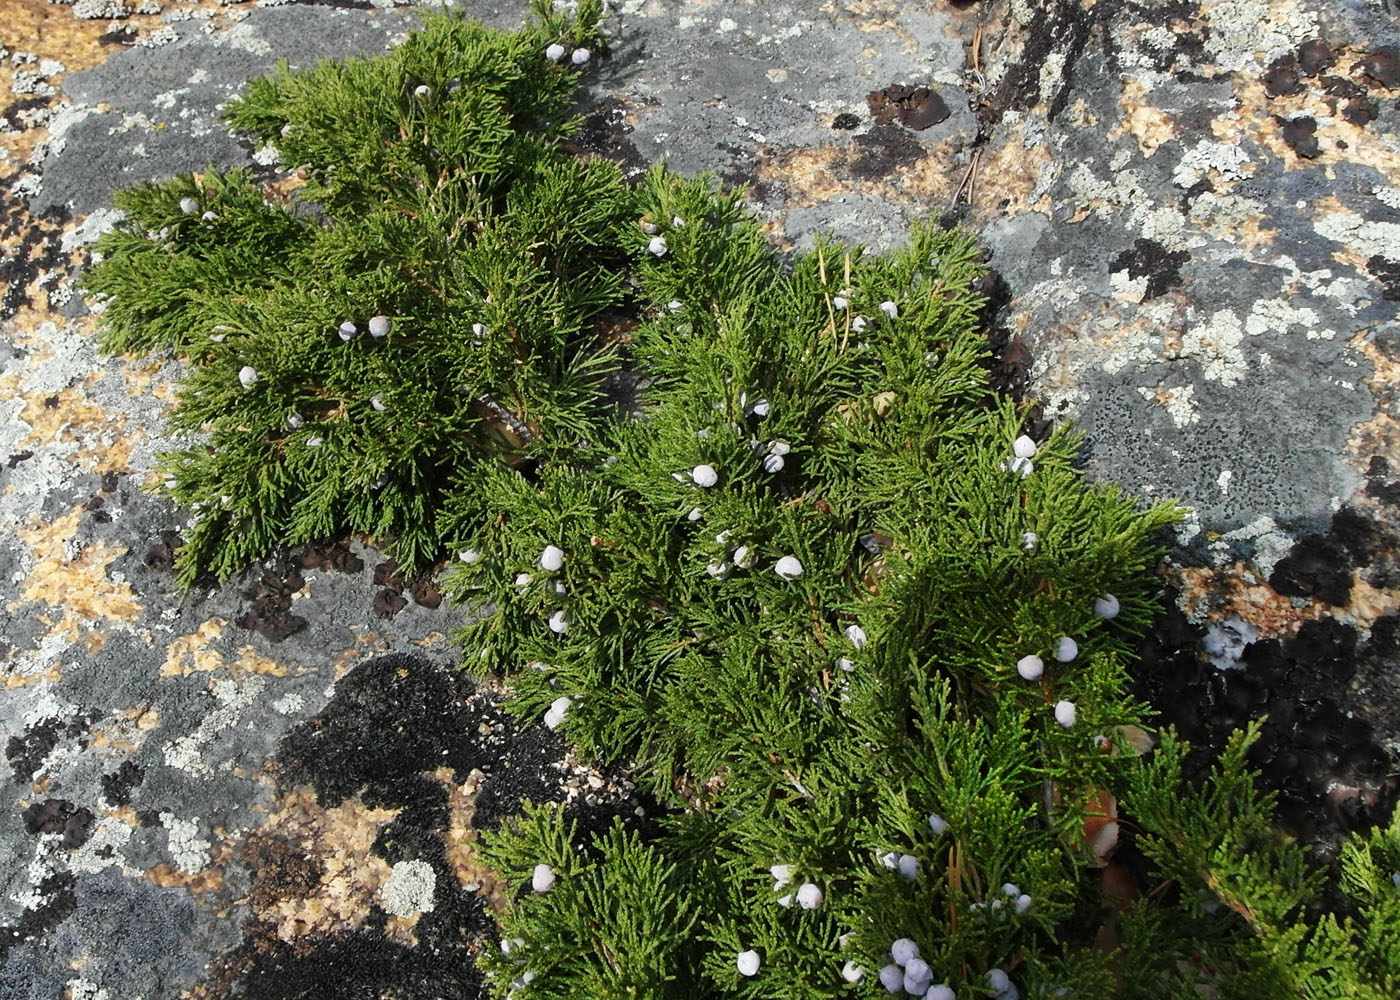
x=448, y=218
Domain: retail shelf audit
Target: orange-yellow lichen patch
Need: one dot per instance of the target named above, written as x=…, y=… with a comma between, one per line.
x=1009, y=173
x=1148, y=125
x=460, y=838
x=1381, y=434
x=144, y=716
x=818, y=174
x=140, y=379
x=194, y=653
x=366, y=644
x=313, y=870
x=104, y=439
x=76, y=583
x=11, y=678
x=1263, y=119
x=1222, y=591
x=878, y=15
x=167, y=876
x=431, y=639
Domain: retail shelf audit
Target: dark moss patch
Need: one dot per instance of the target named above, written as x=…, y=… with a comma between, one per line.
x=1317, y=567
x=1325, y=762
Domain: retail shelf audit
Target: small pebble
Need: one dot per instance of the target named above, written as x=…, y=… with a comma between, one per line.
x=247, y=375
x=189, y=206
x=657, y=245
x=704, y=476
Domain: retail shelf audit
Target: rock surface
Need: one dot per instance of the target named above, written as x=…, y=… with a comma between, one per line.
x=1194, y=207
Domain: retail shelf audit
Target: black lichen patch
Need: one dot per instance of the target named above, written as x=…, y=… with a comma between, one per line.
x=845, y=121
x=1326, y=763
x=362, y=965
x=34, y=250
x=915, y=108
x=1314, y=56
x=392, y=719
x=14, y=113
x=75, y=823
x=1301, y=136
x=1151, y=260
x=604, y=135
x=60, y=900
x=1387, y=272
x=1282, y=78
x=161, y=555
x=124, y=35
x=884, y=149
x=270, y=610
x=1381, y=68
x=528, y=770
x=117, y=786
x=1318, y=567
x=1360, y=111
x=1378, y=482
x=28, y=751
x=1059, y=28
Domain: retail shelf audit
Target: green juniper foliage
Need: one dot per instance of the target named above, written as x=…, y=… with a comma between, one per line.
x=439, y=199
x=796, y=596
